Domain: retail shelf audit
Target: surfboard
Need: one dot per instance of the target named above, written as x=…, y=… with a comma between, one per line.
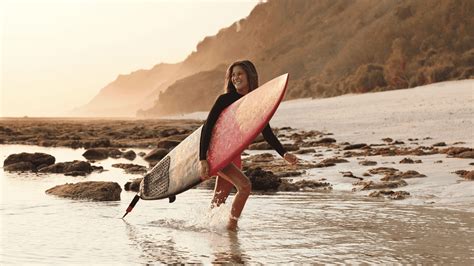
x=237, y=126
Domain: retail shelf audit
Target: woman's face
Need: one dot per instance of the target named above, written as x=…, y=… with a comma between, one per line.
x=240, y=80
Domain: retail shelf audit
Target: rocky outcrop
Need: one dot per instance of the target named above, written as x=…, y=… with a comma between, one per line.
x=133, y=185
x=91, y=190
x=468, y=175
x=390, y=194
x=156, y=155
x=73, y=168
x=131, y=168
x=129, y=155
x=459, y=152
x=102, y=153
x=27, y=161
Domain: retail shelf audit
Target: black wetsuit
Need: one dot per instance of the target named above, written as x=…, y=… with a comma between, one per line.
x=221, y=103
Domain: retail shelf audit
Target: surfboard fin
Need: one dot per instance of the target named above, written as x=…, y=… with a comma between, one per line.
x=172, y=198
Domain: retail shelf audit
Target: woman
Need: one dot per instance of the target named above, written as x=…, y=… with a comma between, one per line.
x=241, y=78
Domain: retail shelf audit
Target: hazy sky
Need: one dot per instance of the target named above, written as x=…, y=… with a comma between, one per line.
x=57, y=55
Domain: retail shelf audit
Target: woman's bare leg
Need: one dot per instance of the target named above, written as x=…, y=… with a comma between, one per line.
x=232, y=174
x=221, y=191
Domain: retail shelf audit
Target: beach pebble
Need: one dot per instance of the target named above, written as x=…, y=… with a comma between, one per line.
x=91, y=190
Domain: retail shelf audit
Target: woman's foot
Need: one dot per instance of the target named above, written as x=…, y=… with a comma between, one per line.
x=232, y=225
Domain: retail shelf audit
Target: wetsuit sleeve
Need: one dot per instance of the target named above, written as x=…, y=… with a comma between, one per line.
x=219, y=106
x=273, y=140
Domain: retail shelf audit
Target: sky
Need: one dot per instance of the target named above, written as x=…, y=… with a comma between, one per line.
x=57, y=55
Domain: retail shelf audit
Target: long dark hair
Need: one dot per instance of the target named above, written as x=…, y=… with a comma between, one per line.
x=249, y=69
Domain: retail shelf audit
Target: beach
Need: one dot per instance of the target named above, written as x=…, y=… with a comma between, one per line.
x=379, y=181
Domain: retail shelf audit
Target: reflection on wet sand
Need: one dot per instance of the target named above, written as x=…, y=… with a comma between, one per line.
x=155, y=248
x=226, y=248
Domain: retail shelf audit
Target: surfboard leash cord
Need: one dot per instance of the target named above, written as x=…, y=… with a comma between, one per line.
x=132, y=204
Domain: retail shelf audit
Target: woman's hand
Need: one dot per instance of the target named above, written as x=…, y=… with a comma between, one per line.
x=290, y=158
x=204, y=169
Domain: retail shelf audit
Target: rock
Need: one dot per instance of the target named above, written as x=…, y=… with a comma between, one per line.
x=402, y=175
x=156, y=154
x=438, y=161
x=366, y=174
x=104, y=143
x=459, y=152
x=324, y=141
x=260, y=146
x=28, y=161
x=167, y=144
x=141, y=154
x=290, y=147
x=304, y=185
x=263, y=157
x=288, y=174
x=466, y=155
x=469, y=175
x=410, y=161
x=20, y=167
x=398, y=142
x=439, y=144
x=130, y=155
x=91, y=190
x=387, y=140
x=169, y=132
x=394, y=195
x=383, y=170
x=367, y=185
x=76, y=173
x=350, y=174
x=131, y=168
x=305, y=151
x=133, y=185
x=73, y=168
x=355, y=146
x=367, y=163
x=263, y=180
x=101, y=153
x=334, y=160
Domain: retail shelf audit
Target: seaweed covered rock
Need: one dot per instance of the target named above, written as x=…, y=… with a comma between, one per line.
x=73, y=168
x=91, y=190
x=27, y=161
x=262, y=180
x=101, y=153
x=156, y=155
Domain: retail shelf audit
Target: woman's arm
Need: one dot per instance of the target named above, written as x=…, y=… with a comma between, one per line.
x=276, y=144
x=221, y=103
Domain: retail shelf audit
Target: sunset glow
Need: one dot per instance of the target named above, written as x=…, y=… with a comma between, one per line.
x=57, y=55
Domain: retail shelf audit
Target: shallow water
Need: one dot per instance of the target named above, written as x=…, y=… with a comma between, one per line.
x=333, y=227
